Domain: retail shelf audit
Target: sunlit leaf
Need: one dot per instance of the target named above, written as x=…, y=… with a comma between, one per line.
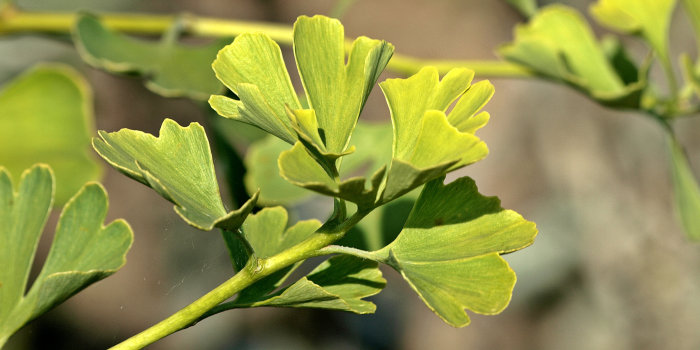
x=335, y=90
x=339, y=283
x=373, y=150
x=170, y=69
x=268, y=235
x=687, y=191
x=558, y=43
x=46, y=116
x=449, y=250
x=691, y=73
x=427, y=143
x=252, y=67
x=177, y=165
x=650, y=18
x=692, y=7
x=83, y=250
x=527, y=8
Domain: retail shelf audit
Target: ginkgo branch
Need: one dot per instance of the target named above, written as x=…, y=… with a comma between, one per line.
x=14, y=21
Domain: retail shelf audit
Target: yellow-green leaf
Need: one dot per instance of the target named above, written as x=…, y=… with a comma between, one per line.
x=170, y=69
x=83, y=250
x=252, y=67
x=339, y=283
x=687, y=191
x=650, y=18
x=449, y=250
x=559, y=44
x=427, y=143
x=177, y=165
x=46, y=116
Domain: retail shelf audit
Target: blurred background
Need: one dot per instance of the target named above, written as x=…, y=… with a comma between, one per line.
x=610, y=269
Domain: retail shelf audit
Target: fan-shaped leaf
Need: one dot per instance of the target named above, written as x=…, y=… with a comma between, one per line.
x=427, y=143
x=177, y=165
x=170, y=69
x=650, y=18
x=83, y=251
x=252, y=67
x=267, y=234
x=449, y=250
x=686, y=190
x=558, y=43
x=339, y=283
x=46, y=116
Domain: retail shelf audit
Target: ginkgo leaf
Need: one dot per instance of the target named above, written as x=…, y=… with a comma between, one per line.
x=177, y=165
x=375, y=153
x=339, y=283
x=558, y=43
x=170, y=69
x=46, y=116
x=83, y=250
x=692, y=7
x=687, y=191
x=449, y=248
x=650, y=18
x=427, y=143
x=267, y=234
x=253, y=68
x=527, y=8
x=335, y=90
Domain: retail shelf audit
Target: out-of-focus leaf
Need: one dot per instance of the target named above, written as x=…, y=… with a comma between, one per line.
x=427, y=143
x=558, y=43
x=170, y=69
x=339, y=283
x=264, y=172
x=686, y=191
x=46, y=116
x=650, y=18
x=693, y=9
x=449, y=250
x=267, y=234
x=83, y=251
x=691, y=73
x=177, y=165
x=527, y=8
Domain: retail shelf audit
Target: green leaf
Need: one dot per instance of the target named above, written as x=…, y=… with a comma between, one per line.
x=267, y=234
x=335, y=90
x=339, y=283
x=558, y=43
x=301, y=169
x=170, y=69
x=177, y=165
x=692, y=7
x=527, y=8
x=687, y=191
x=449, y=250
x=264, y=172
x=650, y=18
x=253, y=68
x=427, y=143
x=691, y=73
x=83, y=251
x=46, y=116
x=381, y=226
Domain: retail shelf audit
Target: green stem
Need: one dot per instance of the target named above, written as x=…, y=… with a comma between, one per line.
x=14, y=21
x=339, y=249
x=255, y=270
